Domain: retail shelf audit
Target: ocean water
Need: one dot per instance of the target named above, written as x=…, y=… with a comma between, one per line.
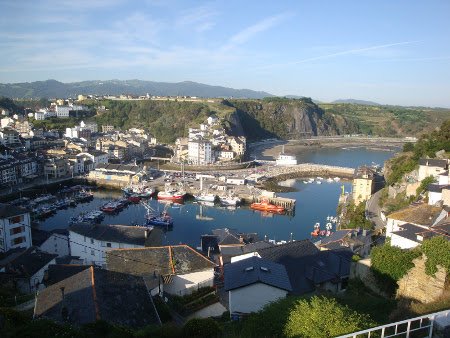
x=314, y=203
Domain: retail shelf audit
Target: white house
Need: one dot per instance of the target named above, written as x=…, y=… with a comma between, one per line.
x=57, y=243
x=28, y=268
x=252, y=283
x=15, y=227
x=431, y=167
x=285, y=159
x=178, y=269
x=91, y=242
x=435, y=193
x=39, y=115
x=62, y=111
x=409, y=235
x=97, y=157
x=212, y=120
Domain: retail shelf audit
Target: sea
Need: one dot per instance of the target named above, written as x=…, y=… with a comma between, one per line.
x=314, y=203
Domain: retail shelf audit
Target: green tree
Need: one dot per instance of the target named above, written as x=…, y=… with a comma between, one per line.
x=201, y=328
x=424, y=184
x=324, y=317
x=437, y=251
x=355, y=217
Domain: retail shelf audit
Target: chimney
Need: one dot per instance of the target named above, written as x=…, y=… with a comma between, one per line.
x=364, y=233
x=241, y=239
x=146, y=232
x=64, y=311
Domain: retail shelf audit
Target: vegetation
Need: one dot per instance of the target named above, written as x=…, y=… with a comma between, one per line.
x=56, y=123
x=437, y=251
x=389, y=264
x=194, y=301
x=201, y=328
x=324, y=317
x=424, y=185
x=355, y=217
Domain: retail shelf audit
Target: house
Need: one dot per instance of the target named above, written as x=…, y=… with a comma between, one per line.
x=57, y=168
x=58, y=272
x=308, y=268
x=62, y=111
x=417, y=214
x=435, y=193
x=363, y=184
x=252, y=283
x=177, y=270
x=91, y=242
x=357, y=240
x=411, y=235
x=97, y=157
x=200, y=151
x=238, y=144
x=15, y=227
x=28, y=268
x=431, y=167
x=96, y=294
x=117, y=172
x=55, y=241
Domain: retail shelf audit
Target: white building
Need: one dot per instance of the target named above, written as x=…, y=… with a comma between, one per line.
x=285, y=159
x=431, y=167
x=96, y=156
x=91, y=243
x=253, y=283
x=39, y=116
x=200, y=152
x=62, y=111
x=212, y=120
x=15, y=227
x=92, y=126
x=57, y=243
x=226, y=154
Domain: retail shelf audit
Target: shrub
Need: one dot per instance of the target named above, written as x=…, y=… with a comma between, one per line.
x=200, y=328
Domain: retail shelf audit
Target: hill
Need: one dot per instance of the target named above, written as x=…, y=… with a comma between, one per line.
x=353, y=101
x=56, y=89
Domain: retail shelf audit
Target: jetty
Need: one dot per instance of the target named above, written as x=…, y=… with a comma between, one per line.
x=309, y=170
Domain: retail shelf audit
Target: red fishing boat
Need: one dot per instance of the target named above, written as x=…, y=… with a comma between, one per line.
x=265, y=205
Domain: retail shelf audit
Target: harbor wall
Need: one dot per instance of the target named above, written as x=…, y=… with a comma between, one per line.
x=309, y=169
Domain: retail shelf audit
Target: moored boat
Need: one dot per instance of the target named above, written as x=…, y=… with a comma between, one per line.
x=205, y=197
x=265, y=205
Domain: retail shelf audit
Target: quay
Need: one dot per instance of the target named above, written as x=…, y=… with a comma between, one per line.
x=308, y=170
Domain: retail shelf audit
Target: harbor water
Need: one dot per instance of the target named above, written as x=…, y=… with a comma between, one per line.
x=314, y=203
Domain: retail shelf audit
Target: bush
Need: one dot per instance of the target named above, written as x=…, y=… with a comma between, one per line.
x=437, y=251
x=324, y=317
x=200, y=328
x=164, y=331
x=44, y=328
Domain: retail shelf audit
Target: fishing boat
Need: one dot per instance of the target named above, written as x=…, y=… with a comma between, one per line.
x=134, y=198
x=230, y=201
x=163, y=219
x=171, y=193
x=265, y=205
x=140, y=190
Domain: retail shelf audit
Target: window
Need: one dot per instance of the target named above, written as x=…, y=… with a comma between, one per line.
x=92, y=241
x=93, y=252
x=108, y=245
x=16, y=219
x=16, y=230
x=18, y=240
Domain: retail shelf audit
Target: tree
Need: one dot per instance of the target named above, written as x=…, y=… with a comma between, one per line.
x=324, y=317
x=201, y=328
x=437, y=251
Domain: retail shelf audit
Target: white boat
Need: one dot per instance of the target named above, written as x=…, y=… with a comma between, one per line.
x=336, y=179
x=329, y=180
x=230, y=200
x=285, y=159
x=319, y=182
x=205, y=197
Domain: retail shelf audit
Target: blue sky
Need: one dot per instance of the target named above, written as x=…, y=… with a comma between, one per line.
x=393, y=52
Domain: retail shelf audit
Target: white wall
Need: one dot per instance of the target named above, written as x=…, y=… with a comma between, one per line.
x=402, y=242
x=434, y=197
x=245, y=256
x=93, y=251
x=5, y=235
x=188, y=283
x=254, y=297
x=57, y=244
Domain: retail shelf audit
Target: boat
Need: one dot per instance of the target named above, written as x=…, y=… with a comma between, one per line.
x=329, y=180
x=205, y=197
x=316, y=231
x=139, y=190
x=285, y=159
x=319, y=182
x=171, y=193
x=265, y=205
x=134, y=198
x=231, y=201
x=163, y=219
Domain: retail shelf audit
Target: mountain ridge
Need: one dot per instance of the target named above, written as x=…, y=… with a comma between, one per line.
x=52, y=88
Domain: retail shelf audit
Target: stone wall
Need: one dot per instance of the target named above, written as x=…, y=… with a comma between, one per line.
x=417, y=285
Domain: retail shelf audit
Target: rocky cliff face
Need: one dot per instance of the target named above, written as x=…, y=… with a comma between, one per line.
x=283, y=118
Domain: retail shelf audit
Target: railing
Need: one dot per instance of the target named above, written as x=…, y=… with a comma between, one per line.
x=424, y=324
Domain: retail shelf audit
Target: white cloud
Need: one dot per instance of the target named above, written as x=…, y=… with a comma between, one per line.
x=200, y=19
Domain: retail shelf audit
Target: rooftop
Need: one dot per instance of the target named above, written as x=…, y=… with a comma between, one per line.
x=255, y=270
x=8, y=210
x=433, y=162
x=97, y=294
x=25, y=263
x=422, y=214
x=119, y=233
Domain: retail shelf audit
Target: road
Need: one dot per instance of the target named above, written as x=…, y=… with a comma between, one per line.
x=373, y=211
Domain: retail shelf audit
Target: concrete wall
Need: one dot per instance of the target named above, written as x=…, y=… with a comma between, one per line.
x=253, y=298
x=434, y=197
x=188, y=283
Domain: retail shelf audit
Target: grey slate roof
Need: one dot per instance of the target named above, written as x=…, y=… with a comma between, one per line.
x=8, y=210
x=437, y=187
x=230, y=240
x=411, y=231
x=306, y=265
x=95, y=294
x=255, y=270
x=119, y=233
x=165, y=260
x=433, y=162
x=59, y=272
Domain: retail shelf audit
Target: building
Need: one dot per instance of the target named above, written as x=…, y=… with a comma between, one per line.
x=92, y=126
x=107, y=128
x=118, y=173
x=410, y=235
x=78, y=132
x=95, y=294
x=15, y=227
x=252, y=283
x=285, y=159
x=238, y=145
x=9, y=137
x=177, y=270
x=57, y=168
x=431, y=167
x=62, y=111
x=357, y=240
x=97, y=157
x=91, y=243
x=363, y=185
x=200, y=152
x=27, y=268
x=436, y=194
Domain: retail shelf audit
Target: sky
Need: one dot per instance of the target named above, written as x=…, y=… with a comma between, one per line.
x=390, y=52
